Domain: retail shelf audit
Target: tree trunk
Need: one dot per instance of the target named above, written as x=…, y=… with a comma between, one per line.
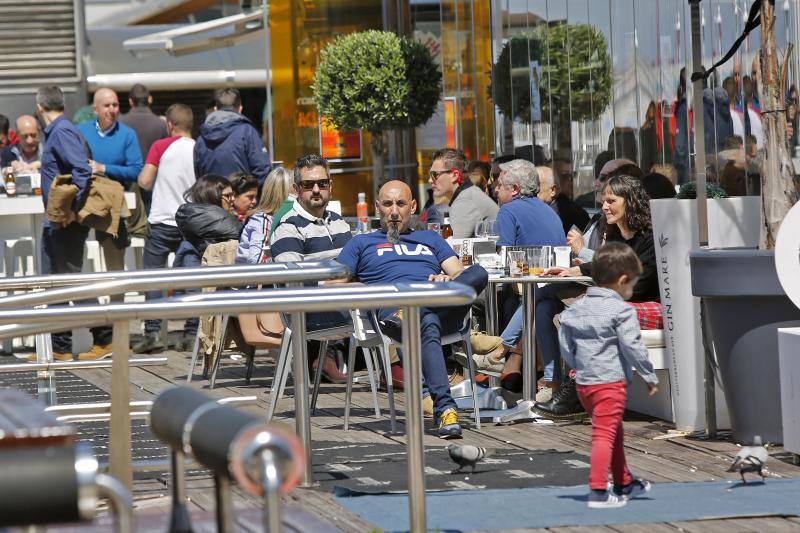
x=377, y=145
x=777, y=171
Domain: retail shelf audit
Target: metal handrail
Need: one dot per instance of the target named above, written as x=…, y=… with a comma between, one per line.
x=313, y=271
x=407, y=296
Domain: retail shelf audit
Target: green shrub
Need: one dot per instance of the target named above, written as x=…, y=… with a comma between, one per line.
x=688, y=191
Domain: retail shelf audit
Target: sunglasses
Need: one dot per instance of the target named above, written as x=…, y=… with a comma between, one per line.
x=308, y=185
x=434, y=174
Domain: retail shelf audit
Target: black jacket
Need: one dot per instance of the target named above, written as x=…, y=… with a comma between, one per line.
x=229, y=143
x=569, y=212
x=204, y=224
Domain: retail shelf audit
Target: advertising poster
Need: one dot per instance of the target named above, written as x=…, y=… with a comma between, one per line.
x=337, y=145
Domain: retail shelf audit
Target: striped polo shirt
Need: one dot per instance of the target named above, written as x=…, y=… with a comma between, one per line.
x=300, y=236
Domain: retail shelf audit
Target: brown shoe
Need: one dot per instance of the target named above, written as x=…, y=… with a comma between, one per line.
x=427, y=407
x=330, y=371
x=98, y=351
x=483, y=343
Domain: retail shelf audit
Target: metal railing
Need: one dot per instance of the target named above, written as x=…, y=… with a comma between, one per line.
x=297, y=302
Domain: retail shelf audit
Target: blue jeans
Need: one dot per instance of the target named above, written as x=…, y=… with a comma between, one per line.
x=548, y=305
x=513, y=331
x=187, y=256
x=163, y=240
x=62, y=253
x=434, y=323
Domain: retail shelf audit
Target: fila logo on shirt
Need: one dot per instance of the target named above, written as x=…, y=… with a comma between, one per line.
x=403, y=249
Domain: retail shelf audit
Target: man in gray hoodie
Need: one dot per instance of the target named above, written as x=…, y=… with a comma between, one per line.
x=467, y=204
x=229, y=142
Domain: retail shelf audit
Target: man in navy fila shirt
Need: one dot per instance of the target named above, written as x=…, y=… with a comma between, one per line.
x=396, y=254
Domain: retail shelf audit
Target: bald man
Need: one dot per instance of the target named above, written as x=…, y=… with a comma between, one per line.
x=26, y=155
x=395, y=254
x=566, y=209
x=115, y=153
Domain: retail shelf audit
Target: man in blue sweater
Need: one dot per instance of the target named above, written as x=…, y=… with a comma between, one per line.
x=115, y=153
x=62, y=247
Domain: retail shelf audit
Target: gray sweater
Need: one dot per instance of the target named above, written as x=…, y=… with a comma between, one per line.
x=471, y=206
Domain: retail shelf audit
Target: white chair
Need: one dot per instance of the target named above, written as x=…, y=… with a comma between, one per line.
x=18, y=253
x=93, y=256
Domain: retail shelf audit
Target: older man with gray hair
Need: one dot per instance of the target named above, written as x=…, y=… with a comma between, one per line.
x=524, y=220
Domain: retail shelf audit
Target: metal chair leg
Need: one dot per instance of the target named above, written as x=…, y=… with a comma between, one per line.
x=369, y=360
x=474, y=385
x=251, y=364
x=220, y=348
x=323, y=352
x=351, y=361
x=195, y=354
x=387, y=372
x=278, y=380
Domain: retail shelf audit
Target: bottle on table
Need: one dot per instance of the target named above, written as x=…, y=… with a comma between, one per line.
x=10, y=184
x=447, y=230
x=466, y=254
x=362, y=213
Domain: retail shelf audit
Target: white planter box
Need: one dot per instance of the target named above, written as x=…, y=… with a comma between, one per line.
x=732, y=222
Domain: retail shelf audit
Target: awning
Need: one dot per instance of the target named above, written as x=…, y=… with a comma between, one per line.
x=217, y=33
x=180, y=81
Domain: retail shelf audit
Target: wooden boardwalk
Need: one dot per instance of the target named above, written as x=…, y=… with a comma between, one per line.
x=659, y=460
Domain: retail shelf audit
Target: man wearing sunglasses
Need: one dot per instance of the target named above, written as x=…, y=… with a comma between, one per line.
x=467, y=205
x=309, y=232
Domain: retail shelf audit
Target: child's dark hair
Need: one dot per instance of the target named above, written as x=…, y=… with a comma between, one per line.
x=241, y=182
x=207, y=190
x=612, y=260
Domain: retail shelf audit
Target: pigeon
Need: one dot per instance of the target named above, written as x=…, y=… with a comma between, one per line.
x=466, y=455
x=750, y=459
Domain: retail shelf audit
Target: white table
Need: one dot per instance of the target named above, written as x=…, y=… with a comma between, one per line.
x=529, y=286
x=22, y=217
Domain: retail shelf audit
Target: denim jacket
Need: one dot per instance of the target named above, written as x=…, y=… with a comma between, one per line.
x=601, y=340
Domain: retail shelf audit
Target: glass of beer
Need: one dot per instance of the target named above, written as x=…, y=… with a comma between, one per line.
x=516, y=263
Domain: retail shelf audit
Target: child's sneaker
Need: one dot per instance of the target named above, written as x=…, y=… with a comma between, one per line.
x=604, y=499
x=449, y=428
x=635, y=488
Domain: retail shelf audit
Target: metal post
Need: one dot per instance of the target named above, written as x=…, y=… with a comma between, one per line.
x=414, y=423
x=699, y=129
x=179, y=516
x=46, y=378
x=222, y=490
x=120, y=499
x=710, y=386
x=268, y=101
x=301, y=411
x=529, y=341
x=272, y=492
x=491, y=309
x=119, y=438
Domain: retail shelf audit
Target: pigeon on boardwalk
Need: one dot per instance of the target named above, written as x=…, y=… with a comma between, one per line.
x=750, y=459
x=466, y=455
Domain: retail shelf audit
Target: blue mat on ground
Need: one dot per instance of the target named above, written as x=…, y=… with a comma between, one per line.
x=566, y=506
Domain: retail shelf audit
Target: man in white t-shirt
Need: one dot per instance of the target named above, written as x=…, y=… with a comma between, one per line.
x=168, y=172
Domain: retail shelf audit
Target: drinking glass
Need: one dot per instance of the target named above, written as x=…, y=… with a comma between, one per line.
x=516, y=263
x=435, y=226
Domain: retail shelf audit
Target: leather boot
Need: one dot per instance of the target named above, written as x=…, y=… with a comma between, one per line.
x=565, y=404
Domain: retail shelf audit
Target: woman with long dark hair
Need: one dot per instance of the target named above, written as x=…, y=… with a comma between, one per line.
x=626, y=210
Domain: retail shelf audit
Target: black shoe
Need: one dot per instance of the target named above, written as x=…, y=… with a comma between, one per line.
x=392, y=327
x=150, y=343
x=565, y=404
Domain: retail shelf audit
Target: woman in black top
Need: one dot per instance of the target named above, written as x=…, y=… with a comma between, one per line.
x=626, y=208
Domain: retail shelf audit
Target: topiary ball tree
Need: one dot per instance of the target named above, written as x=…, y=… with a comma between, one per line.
x=576, y=76
x=376, y=81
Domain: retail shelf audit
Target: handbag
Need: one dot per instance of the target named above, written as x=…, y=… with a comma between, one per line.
x=261, y=329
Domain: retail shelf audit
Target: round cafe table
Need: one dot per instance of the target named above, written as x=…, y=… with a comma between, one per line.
x=529, y=290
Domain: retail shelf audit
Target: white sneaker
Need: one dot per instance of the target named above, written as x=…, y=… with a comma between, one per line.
x=605, y=500
x=544, y=395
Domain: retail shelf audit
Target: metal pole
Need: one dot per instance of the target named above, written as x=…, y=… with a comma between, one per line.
x=699, y=129
x=121, y=501
x=414, y=424
x=491, y=309
x=222, y=488
x=302, y=418
x=272, y=492
x=120, y=424
x=529, y=341
x=179, y=517
x=268, y=67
